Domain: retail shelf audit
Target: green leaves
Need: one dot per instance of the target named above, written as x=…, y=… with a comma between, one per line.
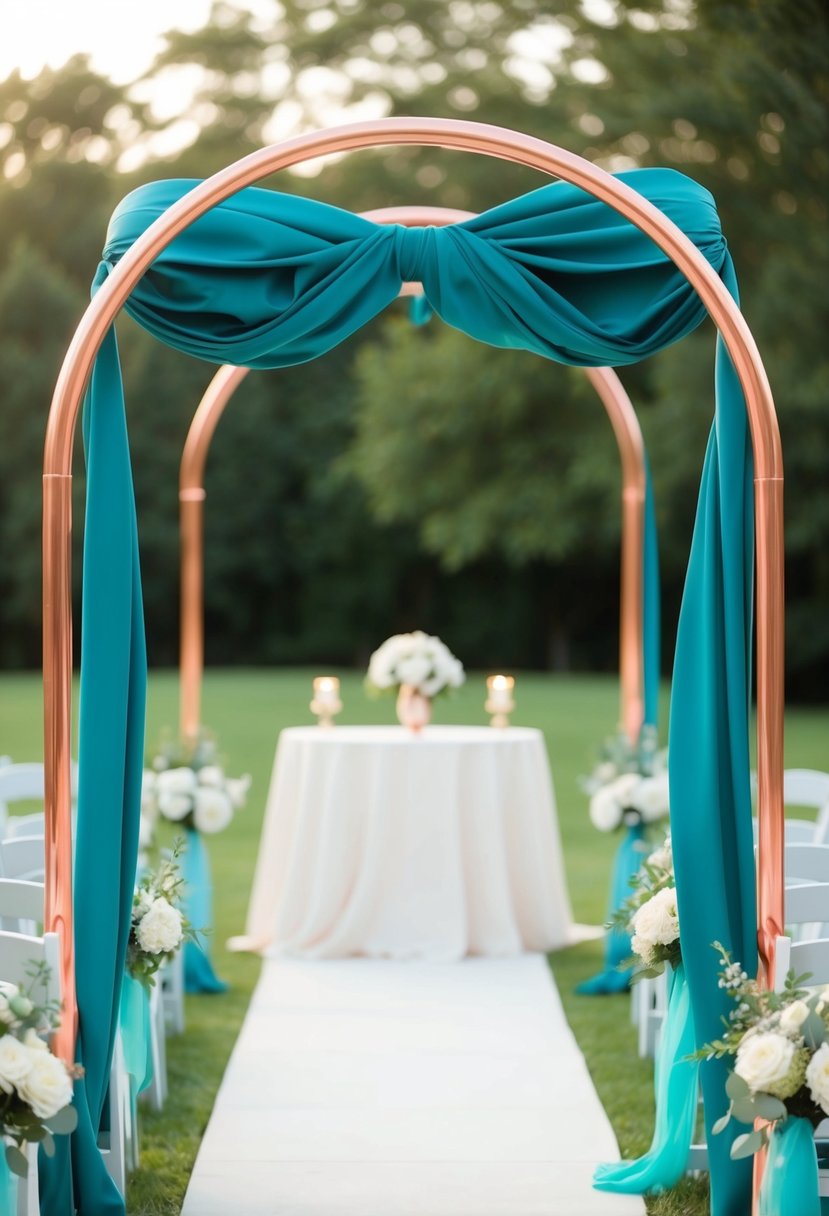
x=17, y=1161
x=745, y=1146
x=64, y=1122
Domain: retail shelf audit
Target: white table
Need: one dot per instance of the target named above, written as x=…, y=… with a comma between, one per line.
x=388, y=844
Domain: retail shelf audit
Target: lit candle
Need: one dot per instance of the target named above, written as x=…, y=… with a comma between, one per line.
x=499, y=700
x=326, y=702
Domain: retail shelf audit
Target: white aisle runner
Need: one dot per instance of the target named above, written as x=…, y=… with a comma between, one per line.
x=373, y=1088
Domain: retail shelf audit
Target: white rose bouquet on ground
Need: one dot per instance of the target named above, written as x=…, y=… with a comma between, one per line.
x=780, y=1045
x=35, y=1086
x=416, y=660
x=187, y=786
x=650, y=914
x=159, y=927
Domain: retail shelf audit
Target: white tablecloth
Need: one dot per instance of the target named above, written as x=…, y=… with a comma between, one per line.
x=384, y=843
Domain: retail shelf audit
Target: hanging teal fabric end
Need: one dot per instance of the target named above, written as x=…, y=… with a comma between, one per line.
x=790, y=1179
x=199, y=975
x=420, y=310
x=628, y=861
x=8, y=1187
x=134, y=1024
x=675, y=1085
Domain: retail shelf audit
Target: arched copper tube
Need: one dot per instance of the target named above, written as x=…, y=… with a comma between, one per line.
x=460, y=135
x=192, y=495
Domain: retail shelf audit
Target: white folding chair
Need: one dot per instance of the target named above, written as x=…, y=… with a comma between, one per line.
x=21, y=905
x=23, y=783
x=156, y=1092
x=809, y=787
x=171, y=981
x=26, y=825
x=23, y=857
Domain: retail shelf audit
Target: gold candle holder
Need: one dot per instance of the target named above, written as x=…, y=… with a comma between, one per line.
x=499, y=702
x=326, y=702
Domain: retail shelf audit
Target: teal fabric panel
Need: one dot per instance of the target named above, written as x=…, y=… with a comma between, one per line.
x=110, y=763
x=197, y=905
x=267, y=280
x=675, y=1086
x=790, y=1179
x=709, y=758
x=627, y=862
x=8, y=1188
x=134, y=1023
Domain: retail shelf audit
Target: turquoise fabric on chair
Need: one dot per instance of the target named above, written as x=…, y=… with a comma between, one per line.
x=268, y=280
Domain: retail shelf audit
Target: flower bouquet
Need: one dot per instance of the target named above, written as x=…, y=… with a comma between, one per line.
x=779, y=1084
x=186, y=786
x=419, y=668
x=158, y=927
x=628, y=790
x=35, y=1086
x=651, y=914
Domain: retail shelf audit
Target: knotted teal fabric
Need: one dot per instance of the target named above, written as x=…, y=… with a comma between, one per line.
x=267, y=280
x=675, y=1090
x=136, y=1036
x=197, y=906
x=790, y=1179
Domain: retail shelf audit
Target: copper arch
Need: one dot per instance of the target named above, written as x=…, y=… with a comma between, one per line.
x=459, y=135
x=192, y=495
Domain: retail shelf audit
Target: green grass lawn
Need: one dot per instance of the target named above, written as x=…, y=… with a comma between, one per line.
x=246, y=710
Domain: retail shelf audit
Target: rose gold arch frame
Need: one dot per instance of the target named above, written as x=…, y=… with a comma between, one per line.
x=458, y=135
x=192, y=495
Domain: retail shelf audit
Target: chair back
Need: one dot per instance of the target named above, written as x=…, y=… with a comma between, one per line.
x=20, y=951
x=21, y=900
x=806, y=862
x=23, y=857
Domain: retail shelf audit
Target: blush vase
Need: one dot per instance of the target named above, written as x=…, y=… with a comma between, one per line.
x=414, y=710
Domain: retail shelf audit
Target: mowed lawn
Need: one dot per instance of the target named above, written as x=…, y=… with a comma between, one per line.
x=246, y=710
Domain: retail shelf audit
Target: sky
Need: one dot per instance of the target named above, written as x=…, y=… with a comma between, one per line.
x=122, y=36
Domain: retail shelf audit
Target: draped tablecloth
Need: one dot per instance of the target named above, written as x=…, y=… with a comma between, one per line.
x=380, y=842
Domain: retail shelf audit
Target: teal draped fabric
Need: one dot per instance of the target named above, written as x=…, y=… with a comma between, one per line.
x=790, y=1179
x=134, y=1023
x=268, y=280
x=631, y=851
x=8, y=1188
x=709, y=759
x=110, y=763
x=614, y=976
x=675, y=1089
x=197, y=905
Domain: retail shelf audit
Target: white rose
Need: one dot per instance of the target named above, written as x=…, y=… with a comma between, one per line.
x=644, y=949
x=764, y=1059
x=211, y=775
x=177, y=781
x=47, y=1086
x=175, y=806
x=657, y=921
x=663, y=858
x=604, y=772
x=605, y=811
x=793, y=1016
x=15, y=1062
x=159, y=931
x=651, y=797
x=624, y=788
x=149, y=786
x=237, y=790
x=817, y=1077
x=34, y=1042
x=413, y=670
x=213, y=812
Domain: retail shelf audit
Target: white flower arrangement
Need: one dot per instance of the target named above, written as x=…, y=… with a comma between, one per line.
x=630, y=784
x=650, y=913
x=158, y=926
x=35, y=1086
x=424, y=663
x=780, y=1045
x=186, y=786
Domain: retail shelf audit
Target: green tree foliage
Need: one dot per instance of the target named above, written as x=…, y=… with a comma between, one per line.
x=484, y=503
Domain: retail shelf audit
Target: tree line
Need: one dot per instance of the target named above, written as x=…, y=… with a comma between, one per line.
x=412, y=478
